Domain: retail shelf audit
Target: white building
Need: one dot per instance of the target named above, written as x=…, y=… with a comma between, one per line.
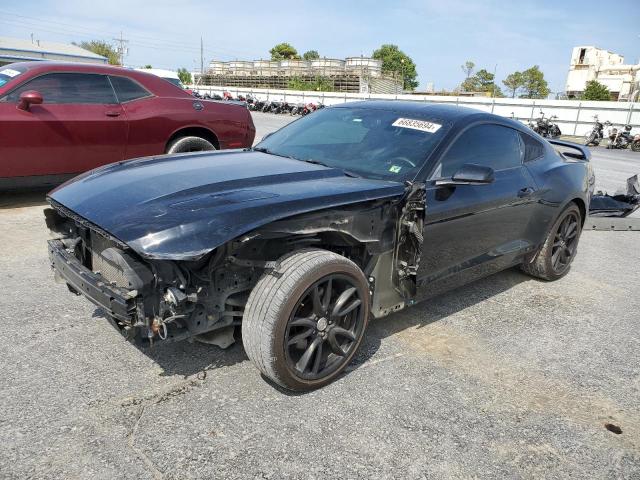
x=19, y=50
x=592, y=63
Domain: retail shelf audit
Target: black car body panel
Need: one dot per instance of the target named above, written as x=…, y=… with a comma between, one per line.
x=182, y=207
x=205, y=227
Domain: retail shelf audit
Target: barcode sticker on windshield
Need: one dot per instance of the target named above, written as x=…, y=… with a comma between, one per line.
x=9, y=72
x=421, y=125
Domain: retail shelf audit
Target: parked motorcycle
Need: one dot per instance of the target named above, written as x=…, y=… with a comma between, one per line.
x=596, y=135
x=285, y=107
x=274, y=107
x=297, y=109
x=309, y=108
x=545, y=126
x=621, y=138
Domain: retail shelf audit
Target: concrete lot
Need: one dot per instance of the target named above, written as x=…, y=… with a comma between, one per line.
x=506, y=378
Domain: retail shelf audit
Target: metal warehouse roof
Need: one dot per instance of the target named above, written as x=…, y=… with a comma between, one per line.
x=39, y=49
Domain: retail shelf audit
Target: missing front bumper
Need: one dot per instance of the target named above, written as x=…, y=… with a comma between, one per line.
x=119, y=303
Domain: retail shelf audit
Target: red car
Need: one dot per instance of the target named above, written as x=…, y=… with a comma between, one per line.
x=61, y=119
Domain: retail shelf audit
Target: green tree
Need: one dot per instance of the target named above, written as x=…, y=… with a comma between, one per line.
x=467, y=68
x=101, y=48
x=535, y=86
x=596, y=91
x=147, y=66
x=514, y=82
x=395, y=61
x=284, y=51
x=318, y=84
x=482, y=81
x=185, y=76
x=310, y=55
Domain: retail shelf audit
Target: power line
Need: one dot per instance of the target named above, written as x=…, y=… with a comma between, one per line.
x=69, y=28
x=166, y=46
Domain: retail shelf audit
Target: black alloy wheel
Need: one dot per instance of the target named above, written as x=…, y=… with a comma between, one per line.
x=324, y=327
x=565, y=243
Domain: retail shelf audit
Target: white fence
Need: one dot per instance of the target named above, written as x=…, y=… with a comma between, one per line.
x=574, y=117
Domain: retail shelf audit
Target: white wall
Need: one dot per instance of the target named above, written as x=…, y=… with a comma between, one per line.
x=574, y=117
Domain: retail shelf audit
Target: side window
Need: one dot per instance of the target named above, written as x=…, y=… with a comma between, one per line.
x=533, y=149
x=489, y=145
x=127, y=90
x=69, y=88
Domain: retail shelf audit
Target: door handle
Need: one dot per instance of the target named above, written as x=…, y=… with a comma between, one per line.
x=112, y=113
x=525, y=192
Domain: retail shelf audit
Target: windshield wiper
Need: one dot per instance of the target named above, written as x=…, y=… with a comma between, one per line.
x=348, y=173
x=269, y=152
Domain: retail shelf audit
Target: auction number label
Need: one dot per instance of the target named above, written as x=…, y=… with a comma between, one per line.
x=421, y=125
x=9, y=72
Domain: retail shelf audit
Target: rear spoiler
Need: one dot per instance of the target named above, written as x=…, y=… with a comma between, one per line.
x=572, y=150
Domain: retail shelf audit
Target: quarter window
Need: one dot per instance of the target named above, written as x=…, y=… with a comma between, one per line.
x=533, y=149
x=68, y=88
x=487, y=145
x=127, y=89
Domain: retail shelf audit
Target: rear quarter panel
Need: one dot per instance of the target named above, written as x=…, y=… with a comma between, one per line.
x=559, y=181
x=153, y=121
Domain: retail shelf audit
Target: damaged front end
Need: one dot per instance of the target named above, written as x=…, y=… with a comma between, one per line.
x=161, y=299
x=147, y=300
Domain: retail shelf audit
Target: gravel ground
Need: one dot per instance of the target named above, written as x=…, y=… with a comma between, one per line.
x=506, y=378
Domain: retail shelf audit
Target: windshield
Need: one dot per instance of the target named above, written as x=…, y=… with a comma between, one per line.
x=373, y=143
x=8, y=73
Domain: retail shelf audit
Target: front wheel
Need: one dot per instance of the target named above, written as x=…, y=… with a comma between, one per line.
x=591, y=139
x=304, y=321
x=560, y=247
x=635, y=146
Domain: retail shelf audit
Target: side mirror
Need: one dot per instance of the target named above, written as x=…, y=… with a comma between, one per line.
x=469, y=174
x=28, y=98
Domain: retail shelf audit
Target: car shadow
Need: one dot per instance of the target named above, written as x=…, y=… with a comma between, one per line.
x=23, y=198
x=187, y=358
x=437, y=308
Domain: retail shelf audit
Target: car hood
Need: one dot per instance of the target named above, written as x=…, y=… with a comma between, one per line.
x=183, y=206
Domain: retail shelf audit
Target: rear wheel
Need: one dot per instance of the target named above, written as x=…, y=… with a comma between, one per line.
x=635, y=146
x=302, y=326
x=190, y=144
x=560, y=247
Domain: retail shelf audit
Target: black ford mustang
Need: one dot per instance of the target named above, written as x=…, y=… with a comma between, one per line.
x=354, y=211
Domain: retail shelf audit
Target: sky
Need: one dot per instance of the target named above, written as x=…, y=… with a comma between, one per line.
x=439, y=35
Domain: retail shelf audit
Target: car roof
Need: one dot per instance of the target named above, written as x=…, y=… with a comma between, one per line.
x=156, y=84
x=159, y=72
x=453, y=114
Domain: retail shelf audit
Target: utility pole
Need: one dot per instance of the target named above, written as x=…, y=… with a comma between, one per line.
x=122, y=49
x=493, y=90
x=201, y=57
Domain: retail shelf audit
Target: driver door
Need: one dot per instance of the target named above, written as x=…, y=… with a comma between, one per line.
x=79, y=126
x=474, y=230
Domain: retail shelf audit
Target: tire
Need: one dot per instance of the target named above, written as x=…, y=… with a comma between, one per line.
x=281, y=308
x=591, y=139
x=635, y=146
x=545, y=263
x=190, y=144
